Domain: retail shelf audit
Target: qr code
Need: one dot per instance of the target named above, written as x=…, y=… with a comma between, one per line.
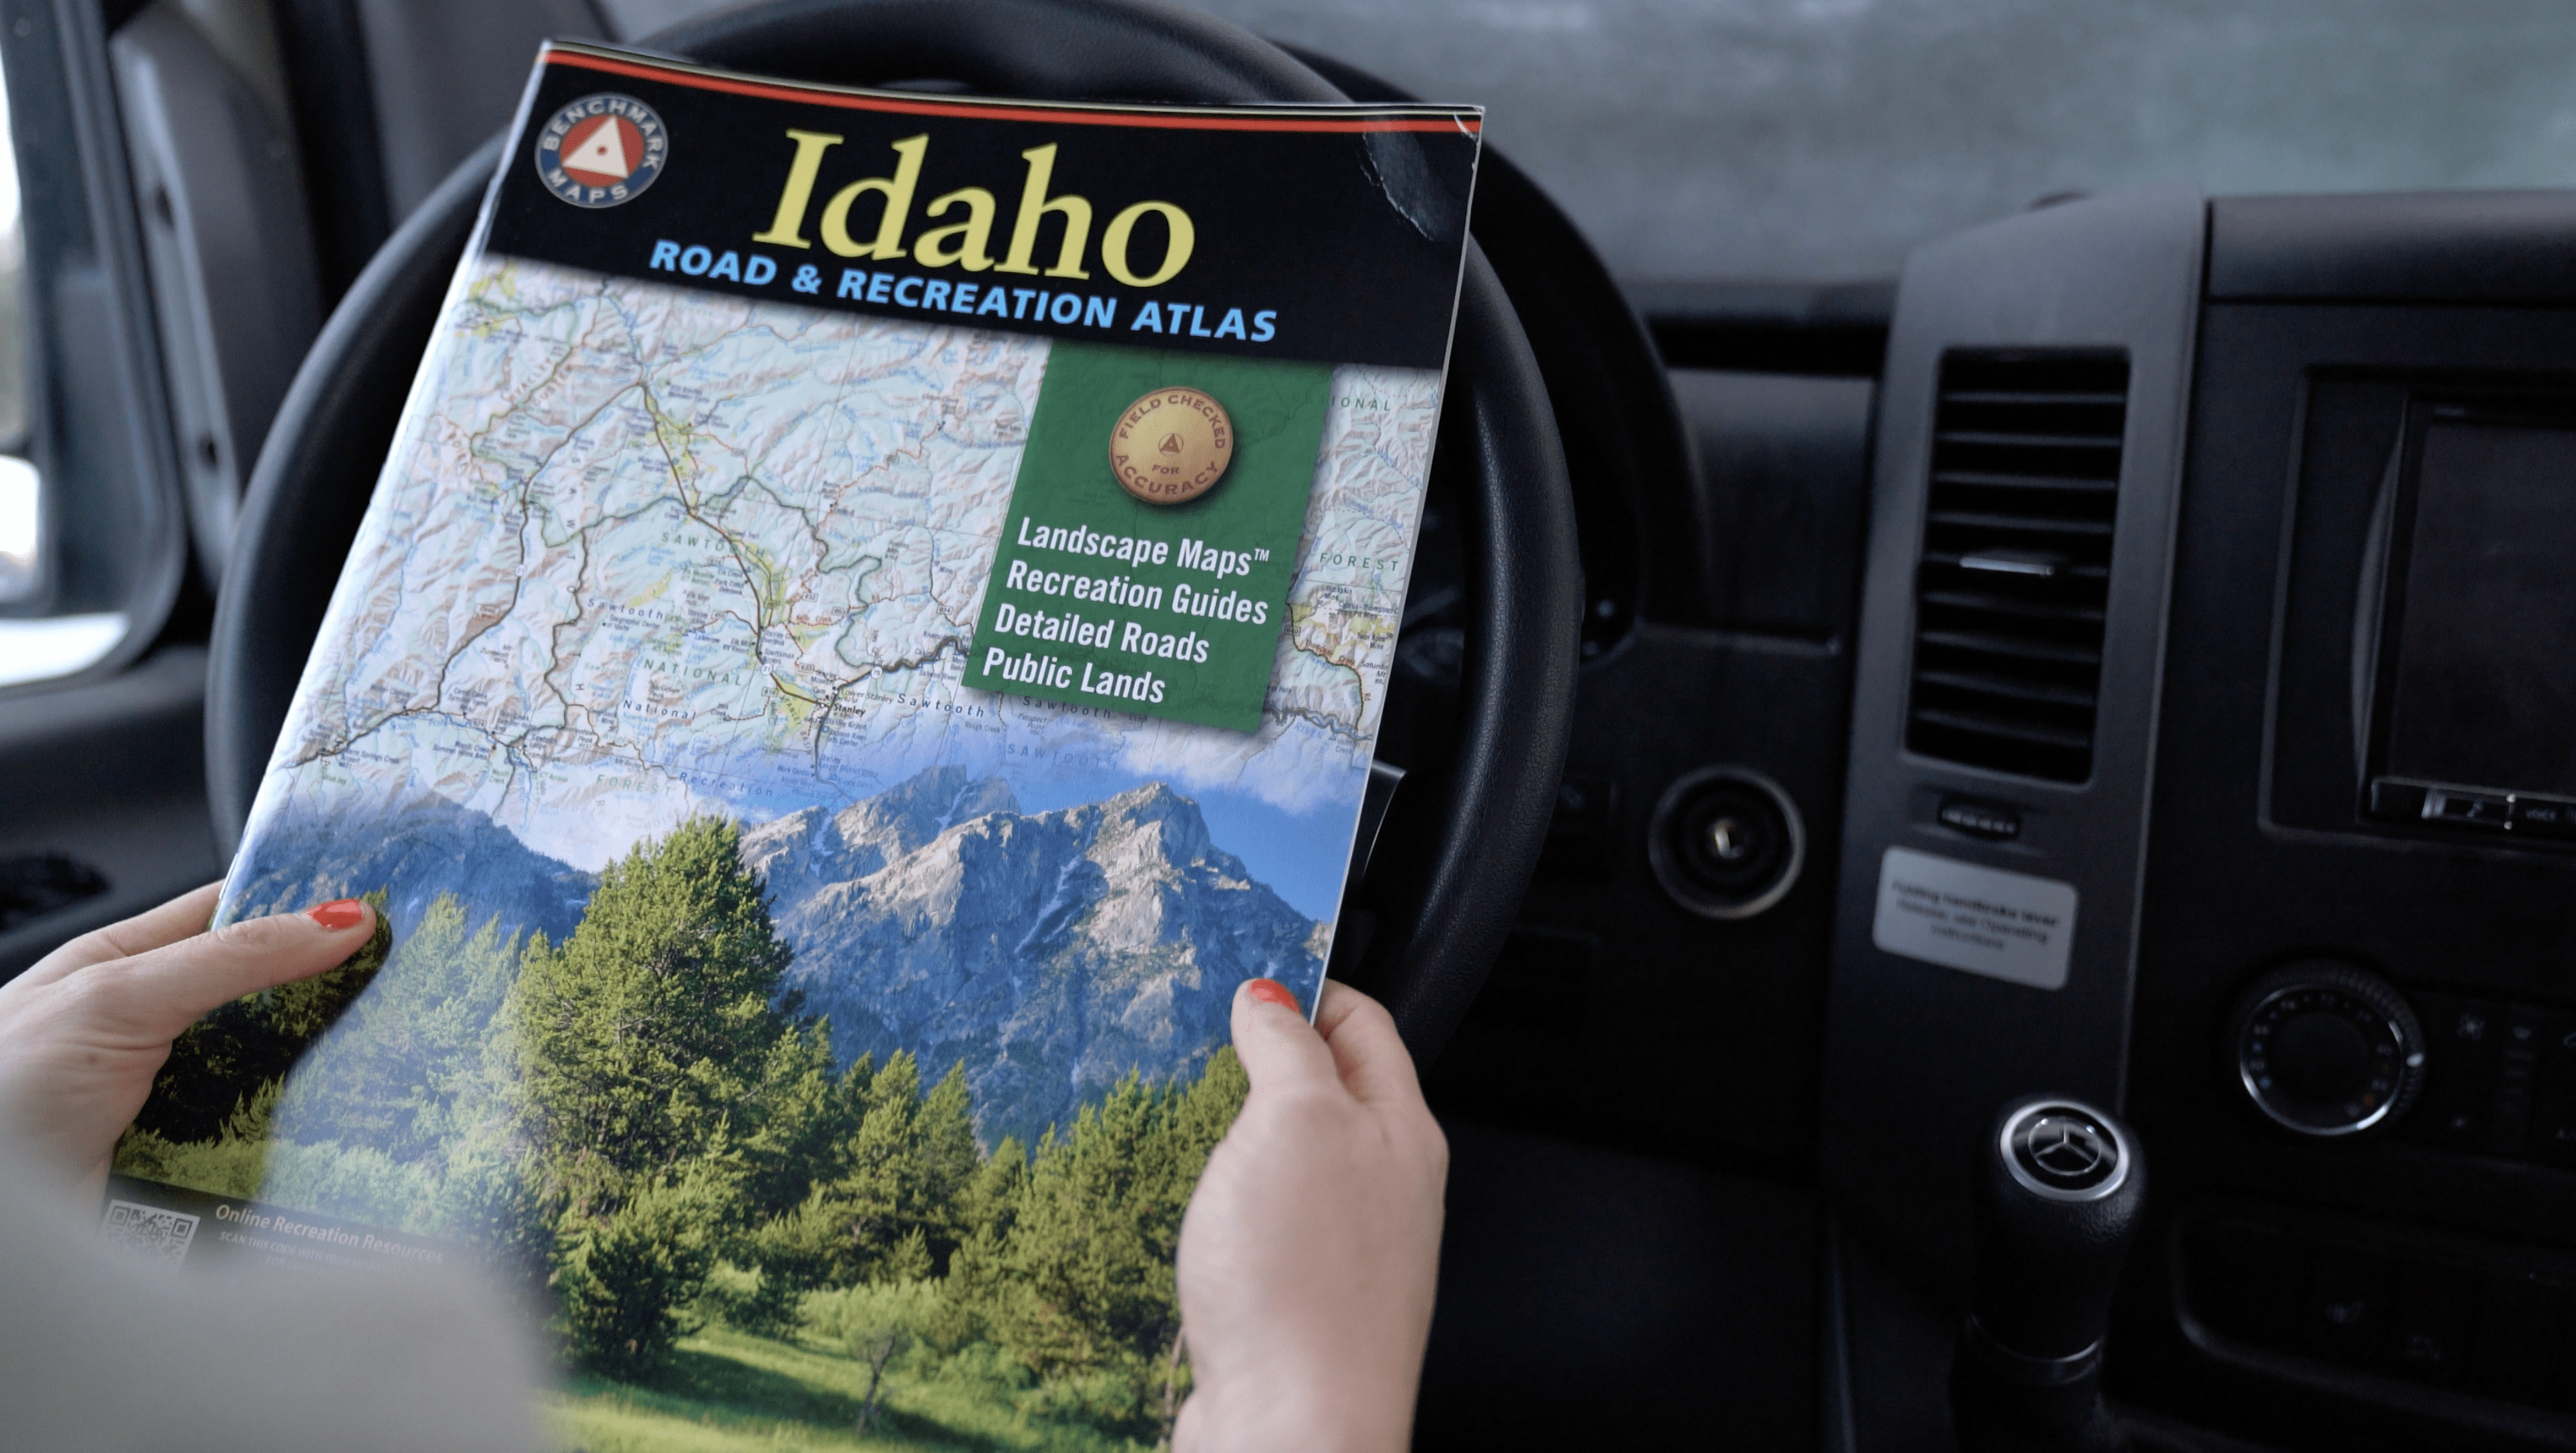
x=149, y=1230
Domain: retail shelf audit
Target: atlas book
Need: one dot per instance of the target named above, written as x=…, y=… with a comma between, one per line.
x=874, y=623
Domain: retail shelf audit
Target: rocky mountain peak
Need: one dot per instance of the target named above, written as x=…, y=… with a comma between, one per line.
x=1156, y=805
x=1048, y=952
x=902, y=818
x=806, y=851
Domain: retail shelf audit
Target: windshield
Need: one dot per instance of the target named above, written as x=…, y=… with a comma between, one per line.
x=1818, y=140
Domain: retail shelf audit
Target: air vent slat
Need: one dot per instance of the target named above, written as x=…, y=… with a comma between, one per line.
x=2043, y=524
x=2026, y=648
x=1951, y=559
x=2011, y=688
x=2006, y=727
x=2013, y=605
x=2029, y=441
x=2010, y=591
x=1998, y=396
x=2026, y=481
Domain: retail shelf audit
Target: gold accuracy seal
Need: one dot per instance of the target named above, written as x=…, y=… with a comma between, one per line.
x=1171, y=446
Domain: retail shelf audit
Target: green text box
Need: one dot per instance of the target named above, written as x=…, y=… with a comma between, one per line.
x=1165, y=610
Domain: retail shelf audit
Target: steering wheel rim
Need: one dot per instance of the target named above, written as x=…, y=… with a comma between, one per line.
x=1472, y=833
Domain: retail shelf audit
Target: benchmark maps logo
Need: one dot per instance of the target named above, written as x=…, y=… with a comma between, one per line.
x=602, y=150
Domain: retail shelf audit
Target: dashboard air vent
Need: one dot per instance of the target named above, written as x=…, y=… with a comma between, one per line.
x=2016, y=567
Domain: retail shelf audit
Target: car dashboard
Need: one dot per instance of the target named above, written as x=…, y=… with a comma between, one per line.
x=2158, y=657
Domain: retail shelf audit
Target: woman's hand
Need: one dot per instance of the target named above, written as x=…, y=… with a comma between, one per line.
x=1312, y=1243
x=83, y=1032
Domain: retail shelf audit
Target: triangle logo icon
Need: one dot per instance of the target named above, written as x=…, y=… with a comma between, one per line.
x=601, y=151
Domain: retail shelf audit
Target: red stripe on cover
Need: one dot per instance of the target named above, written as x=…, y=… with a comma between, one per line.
x=1158, y=121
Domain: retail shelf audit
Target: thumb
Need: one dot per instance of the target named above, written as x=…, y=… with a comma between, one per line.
x=1367, y=1048
x=1274, y=1041
x=170, y=988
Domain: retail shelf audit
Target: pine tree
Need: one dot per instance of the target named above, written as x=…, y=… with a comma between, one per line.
x=903, y=1175
x=1076, y=1276
x=882, y=1191
x=1200, y=1117
x=396, y=1071
x=1089, y=1252
x=639, y=1036
x=990, y=1202
x=801, y=1117
x=626, y=1277
x=495, y=1195
x=944, y=1131
x=647, y=1062
x=1206, y=1112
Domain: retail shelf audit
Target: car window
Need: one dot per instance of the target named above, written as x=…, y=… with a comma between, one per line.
x=37, y=649
x=96, y=549
x=19, y=507
x=1816, y=140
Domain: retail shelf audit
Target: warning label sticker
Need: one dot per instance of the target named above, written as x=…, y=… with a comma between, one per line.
x=1984, y=920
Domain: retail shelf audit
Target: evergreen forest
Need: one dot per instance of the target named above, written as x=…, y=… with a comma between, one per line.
x=740, y=1242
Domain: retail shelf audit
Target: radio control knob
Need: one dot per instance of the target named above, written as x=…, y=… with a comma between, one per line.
x=2326, y=1049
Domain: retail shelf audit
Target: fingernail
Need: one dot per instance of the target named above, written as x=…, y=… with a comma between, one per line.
x=1271, y=991
x=338, y=914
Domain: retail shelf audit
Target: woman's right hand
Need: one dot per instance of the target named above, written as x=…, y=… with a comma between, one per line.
x=1312, y=1244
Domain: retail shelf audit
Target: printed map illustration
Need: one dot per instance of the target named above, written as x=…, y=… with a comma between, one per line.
x=643, y=553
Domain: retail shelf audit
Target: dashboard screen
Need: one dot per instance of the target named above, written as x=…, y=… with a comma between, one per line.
x=2484, y=693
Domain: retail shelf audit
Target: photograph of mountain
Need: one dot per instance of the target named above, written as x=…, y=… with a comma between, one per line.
x=908, y=1096
x=1048, y=953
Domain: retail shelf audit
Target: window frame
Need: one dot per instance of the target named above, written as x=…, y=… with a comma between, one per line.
x=113, y=535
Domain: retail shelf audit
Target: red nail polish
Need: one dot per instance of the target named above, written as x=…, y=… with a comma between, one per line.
x=1271, y=991
x=338, y=914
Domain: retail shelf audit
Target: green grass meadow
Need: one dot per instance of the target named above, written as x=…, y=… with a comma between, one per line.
x=727, y=1390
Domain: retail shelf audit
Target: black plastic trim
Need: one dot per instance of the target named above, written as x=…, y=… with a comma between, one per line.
x=1835, y=329
x=2447, y=247
x=1919, y=1056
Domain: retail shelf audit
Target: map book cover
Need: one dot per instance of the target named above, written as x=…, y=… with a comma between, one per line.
x=874, y=623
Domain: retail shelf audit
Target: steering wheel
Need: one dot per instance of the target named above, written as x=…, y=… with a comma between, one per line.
x=1469, y=837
